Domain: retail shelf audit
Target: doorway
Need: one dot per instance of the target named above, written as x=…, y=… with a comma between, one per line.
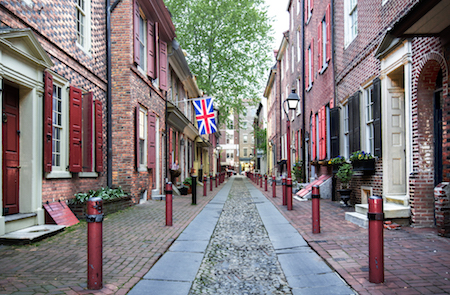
x=437, y=106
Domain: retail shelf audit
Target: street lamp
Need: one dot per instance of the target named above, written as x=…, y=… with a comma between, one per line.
x=292, y=101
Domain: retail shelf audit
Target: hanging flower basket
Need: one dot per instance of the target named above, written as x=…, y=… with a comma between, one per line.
x=367, y=166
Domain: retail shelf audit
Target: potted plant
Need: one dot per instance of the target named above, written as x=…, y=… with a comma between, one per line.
x=297, y=171
x=336, y=162
x=344, y=175
x=188, y=182
x=362, y=161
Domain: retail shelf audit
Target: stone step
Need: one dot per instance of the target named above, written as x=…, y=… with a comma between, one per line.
x=397, y=199
x=391, y=210
x=31, y=234
x=357, y=218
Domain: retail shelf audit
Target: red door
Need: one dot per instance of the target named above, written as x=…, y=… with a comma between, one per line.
x=10, y=119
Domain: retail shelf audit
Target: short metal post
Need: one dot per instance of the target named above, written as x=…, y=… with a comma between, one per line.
x=169, y=203
x=376, y=243
x=215, y=178
x=289, y=193
x=316, y=209
x=205, y=183
x=94, y=219
x=260, y=181
x=210, y=183
x=194, y=190
x=265, y=184
x=274, y=186
x=283, y=188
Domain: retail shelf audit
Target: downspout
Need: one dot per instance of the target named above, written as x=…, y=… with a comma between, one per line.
x=303, y=95
x=281, y=119
x=333, y=53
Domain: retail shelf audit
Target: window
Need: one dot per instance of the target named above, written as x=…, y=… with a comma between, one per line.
x=83, y=24
x=142, y=136
x=351, y=20
x=298, y=111
x=245, y=152
x=57, y=127
x=244, y=125
x=145, y=139
x=369, y=120
x=141, y=40
x=298, y=46
x=324, y=41
x=308, y=10
x=230, y=125
x=346, y=133
x=245, y=138
x=309, y=67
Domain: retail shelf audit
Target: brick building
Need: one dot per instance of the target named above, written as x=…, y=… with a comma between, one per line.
x=53, y=81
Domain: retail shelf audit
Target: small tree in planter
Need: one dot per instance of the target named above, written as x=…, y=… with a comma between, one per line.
x=344, y=175
x=188, y=182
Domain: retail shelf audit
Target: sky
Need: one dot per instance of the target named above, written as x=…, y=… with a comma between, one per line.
x=278, y=10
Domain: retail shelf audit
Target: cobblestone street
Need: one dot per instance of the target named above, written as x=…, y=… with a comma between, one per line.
x=240, y=258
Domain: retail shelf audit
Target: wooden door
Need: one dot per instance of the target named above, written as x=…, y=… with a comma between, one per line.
x=11, y=164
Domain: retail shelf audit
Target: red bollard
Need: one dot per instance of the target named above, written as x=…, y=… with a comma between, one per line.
x=260, y=180
x=289, y=193
x=265, y=184
x=215, y=178
x=169, y=204
x=274, y=186
x=205, y=183
x=283, y=189
x=316, y=209
x=376, y=247
x=210, y=183
x=94, y=217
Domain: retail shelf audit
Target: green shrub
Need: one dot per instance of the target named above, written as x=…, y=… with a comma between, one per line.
x=104, y=193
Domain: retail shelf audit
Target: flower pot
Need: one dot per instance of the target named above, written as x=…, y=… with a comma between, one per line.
x=345, y=195
x=364, y=165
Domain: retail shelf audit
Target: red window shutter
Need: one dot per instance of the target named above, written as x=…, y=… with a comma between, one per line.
x=163, y=65
x=306, y=11
x=312, y=60
x=313, y=137
x=320, y=134
x=138, y=162
x=88, y=100
x=98, y=137
x=151, y=65
x=48, y=122
x=75, y=150
x=328, y=22
x=307, y=69
x=296, y=146
x=319, y=45
x=136, y=45
x=151, y=138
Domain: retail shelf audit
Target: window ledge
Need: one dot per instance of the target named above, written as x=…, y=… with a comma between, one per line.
x=88, y=174
x=324, y=68
x=84, y=49
x=143, y=169
x=58, y=174
x=309, y=88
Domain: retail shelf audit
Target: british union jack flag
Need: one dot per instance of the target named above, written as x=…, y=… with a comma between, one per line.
x=204, y=112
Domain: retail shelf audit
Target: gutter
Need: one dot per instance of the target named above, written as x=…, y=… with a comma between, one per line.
x=304, y=93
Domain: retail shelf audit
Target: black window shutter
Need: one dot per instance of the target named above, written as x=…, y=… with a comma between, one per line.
x=334, y=132
x=356, y=123
x=350, y=123
x=377, y=116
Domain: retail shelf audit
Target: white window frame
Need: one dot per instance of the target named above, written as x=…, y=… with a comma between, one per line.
x=85, y=31
x=245, y=152
x=142, y=43
x=298, y=45
x=310, y=72
x=143, y=117
x=350, y=20
x=324, y=45
x=245, y=138
x=308, y=6
x=61, y=171
x=368, y=99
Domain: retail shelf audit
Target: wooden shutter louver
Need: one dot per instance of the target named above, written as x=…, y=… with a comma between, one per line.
x=307, y=69
x=328, y=22
x=48, y=122
x=312, y=61
x=377, y=117
x=138, y=161
x=151, y=50
x=163, y=83
x=322, y=133
x=75, y=118
x=88, y=101
x=354, y=123
x=98, y=136
x=136, y=43
x=334, y=132
x=313, y=137
x=151, y=137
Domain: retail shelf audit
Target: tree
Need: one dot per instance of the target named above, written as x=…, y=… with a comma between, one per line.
x=228, y=47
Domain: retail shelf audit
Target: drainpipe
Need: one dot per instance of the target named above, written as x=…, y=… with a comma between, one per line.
x=303, y=94
x=333, y=53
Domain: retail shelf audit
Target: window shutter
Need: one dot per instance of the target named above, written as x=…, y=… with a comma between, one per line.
x=151, y=138
x=86, y=143
x=334, y=132
x=75, y=151
x=48, y=122
x=151, y=63
x=296, y=145
x=323, y=133
x=313, y=137
x=312, y=60
x=377, y=117
x=136, y=16
x=137, y=138
x=320, y=130
x=306, y=11
x=354, y=123
x=328, y=22
x=307, y=69
x=350, y=124
x=98, y=136
x=319, y=45
x=162, y=65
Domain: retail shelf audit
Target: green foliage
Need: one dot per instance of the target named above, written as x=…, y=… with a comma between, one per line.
x=337, y=160
x=188, y=181
x=104, y=193
x=261, y=138
x=228, y=47
x=297, y=170
x=360, y=155
x=345, y=174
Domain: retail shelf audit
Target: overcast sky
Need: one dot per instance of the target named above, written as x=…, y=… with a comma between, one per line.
x=278, y=10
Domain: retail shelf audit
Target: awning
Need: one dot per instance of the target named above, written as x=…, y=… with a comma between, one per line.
x=202, y=142
x=177, y=120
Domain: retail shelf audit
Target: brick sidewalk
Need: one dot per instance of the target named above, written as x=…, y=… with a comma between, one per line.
x=133, y=240
x=417, y=260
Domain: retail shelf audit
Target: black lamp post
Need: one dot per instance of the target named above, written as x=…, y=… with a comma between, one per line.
x=292, y=101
